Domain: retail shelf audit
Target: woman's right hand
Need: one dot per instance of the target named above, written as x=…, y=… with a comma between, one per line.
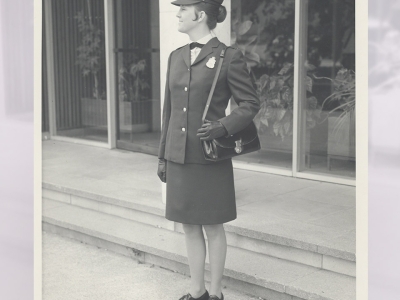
x=161, y=172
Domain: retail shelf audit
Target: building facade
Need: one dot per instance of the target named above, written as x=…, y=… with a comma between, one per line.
x=104, y=67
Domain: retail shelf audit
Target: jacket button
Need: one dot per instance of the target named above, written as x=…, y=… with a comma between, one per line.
x=189, y=70
x=183, y=129
x=185, y=89
x=184, y=109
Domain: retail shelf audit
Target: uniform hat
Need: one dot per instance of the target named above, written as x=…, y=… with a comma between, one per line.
x=190, y=2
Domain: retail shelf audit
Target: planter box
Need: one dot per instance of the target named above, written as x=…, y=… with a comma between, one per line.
x=341, y=140
x=135, y=117
x=94, y=112
x=274, y=143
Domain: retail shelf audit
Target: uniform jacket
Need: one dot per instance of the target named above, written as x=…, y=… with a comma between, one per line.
x=186, y=92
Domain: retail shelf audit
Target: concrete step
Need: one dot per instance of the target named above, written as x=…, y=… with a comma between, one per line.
x=280, y=247
x=254, y=273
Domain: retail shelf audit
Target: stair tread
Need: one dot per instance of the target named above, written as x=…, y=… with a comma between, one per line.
x=147, y=201
x=246, y=226
x=283, y=276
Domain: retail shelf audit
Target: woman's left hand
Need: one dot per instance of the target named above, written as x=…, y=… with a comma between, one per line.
x=161, y=171
x=211, y=130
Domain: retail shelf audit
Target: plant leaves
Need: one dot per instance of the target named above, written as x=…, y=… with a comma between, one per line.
x=253, y=57
x=244, y=27
x=286, y=67
x=264, y=120
x=309, y=83
x=280, y=82
x=309, y=67
x=250, y=40
x=312, y=103
x=287, y=94
x=276, y=128
x=287, y=126
x=276, y=102
x=270, y=112
x=272, y=83
x=280, y=113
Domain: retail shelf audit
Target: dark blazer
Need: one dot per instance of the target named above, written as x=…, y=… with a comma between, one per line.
x=186, y=92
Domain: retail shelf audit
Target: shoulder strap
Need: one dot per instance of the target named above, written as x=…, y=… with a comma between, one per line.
x=214, y=83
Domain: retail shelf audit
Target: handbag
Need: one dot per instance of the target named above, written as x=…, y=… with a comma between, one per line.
x=242, y=142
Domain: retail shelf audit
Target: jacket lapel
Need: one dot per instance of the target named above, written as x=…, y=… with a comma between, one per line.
x=206, y=50
x=186, y=55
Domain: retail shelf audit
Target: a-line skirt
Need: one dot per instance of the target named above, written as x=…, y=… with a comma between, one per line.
x=201, y=194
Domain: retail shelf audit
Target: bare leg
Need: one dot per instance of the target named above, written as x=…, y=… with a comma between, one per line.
x=196, y=251
x=217, y=254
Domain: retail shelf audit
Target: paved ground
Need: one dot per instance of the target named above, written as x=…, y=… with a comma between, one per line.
x=73, y=270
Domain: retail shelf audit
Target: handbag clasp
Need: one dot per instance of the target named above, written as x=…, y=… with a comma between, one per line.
x=238, y=148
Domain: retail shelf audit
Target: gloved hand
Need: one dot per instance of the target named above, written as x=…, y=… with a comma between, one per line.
x=211, y=130
x=161, y=172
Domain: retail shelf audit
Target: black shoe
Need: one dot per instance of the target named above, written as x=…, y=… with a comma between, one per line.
x=213, y=297
x=205, y=296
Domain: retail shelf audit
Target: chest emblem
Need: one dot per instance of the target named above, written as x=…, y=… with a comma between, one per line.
x=211, y=62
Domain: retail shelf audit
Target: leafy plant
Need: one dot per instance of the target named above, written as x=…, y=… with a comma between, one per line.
x=276, y=97
x=91, y=51
x=132, y=81
x=344, y=95
x=263, y=31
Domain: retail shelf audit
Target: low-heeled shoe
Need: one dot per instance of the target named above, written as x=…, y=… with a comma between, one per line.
x=213, y=297
x=205, y=296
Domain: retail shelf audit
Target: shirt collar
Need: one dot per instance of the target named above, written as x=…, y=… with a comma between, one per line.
x=204, y=40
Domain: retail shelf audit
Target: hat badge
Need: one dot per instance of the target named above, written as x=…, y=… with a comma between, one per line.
x=211, y=62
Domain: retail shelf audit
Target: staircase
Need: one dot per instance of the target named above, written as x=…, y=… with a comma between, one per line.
x=259, y=262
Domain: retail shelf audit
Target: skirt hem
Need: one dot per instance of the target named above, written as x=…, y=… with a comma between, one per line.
x=202, y=223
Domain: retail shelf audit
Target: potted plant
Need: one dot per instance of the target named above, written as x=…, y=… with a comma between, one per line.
x=341, y=119
x=90, y=58
x=135, y=105
x=276, y=114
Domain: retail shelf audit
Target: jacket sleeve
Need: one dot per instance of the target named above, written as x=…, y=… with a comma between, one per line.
x=166, y=114
x=244, y=94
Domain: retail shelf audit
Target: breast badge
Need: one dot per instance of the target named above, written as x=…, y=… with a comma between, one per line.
x=211, y=62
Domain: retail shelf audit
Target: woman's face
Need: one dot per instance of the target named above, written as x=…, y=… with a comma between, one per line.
x=186, y=15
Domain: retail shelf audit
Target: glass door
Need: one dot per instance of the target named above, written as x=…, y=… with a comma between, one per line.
x=78, y=61
x=137, y=75
x=301, y=57
x=327, y=110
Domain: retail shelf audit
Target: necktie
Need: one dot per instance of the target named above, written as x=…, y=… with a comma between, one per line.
x=194, y=45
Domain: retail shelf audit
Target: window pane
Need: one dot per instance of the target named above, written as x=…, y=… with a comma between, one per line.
x=328, y=106
x=264, y=31
x=137, y=34
x=80, y=75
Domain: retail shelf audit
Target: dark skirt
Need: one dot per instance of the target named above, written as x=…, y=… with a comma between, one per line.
x=201, y=194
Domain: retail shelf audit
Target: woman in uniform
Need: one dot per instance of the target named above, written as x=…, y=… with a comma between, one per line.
x=201, y=193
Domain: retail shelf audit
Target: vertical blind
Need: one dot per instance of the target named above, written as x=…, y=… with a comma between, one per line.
x=70, y=84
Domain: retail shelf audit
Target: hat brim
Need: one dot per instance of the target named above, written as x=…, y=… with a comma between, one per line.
x=184, y=2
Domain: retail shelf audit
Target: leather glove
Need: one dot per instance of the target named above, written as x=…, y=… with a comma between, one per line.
x=161, y=172
x=211, y=130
